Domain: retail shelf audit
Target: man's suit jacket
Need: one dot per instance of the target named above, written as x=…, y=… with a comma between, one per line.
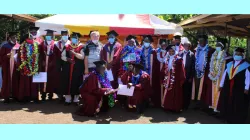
x=189, y=64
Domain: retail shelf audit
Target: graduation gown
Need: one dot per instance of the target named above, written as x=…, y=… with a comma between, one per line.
x=49, y=64
x=72, y=74
x=157, y=76
x=28, y=89
x=59, y=63
x=114, y=57
x=172, y=98
x=142, y=90
x=234, y=103
x=93, y=96
x=10, y=74
x=221, y=56
x=203, y=86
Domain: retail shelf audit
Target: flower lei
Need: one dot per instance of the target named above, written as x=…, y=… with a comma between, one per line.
x=215, y=70
x=160, y=56
x=172, y=76
x=128, y=50
x=29, y=58
x=104, y=81
x=150, y=50
x=136, y=79
x=198, y=72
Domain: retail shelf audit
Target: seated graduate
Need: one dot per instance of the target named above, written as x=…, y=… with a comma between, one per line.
x=96, y=92
x=141, y=81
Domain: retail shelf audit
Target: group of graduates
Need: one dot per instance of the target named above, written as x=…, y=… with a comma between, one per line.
x=169, y=76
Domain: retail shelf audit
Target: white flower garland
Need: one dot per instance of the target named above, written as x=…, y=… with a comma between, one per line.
x=215, y=70
x=163, y=58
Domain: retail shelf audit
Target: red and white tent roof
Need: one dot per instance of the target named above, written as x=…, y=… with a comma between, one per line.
x=123, y=24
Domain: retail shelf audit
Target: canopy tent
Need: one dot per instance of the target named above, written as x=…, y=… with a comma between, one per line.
x=123, y=24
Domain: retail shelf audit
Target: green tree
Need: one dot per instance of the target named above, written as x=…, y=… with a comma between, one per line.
x=8, y=24
x=177, y=18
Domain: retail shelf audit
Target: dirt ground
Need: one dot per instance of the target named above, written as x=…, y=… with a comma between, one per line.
x=53, y=112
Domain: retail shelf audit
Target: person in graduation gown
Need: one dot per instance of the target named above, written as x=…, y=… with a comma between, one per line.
x=8, y=54
x=96, y=92
x=111, y=54
x=135, y=76
x=49, y=56
x=29, y=49
x=147, y=54
x=129, y=54
x=218, y=63
x=92, y=52
x=234, y=87
x=73, y=69
x=159, y=57
x=189, y=65
x=60, y=45
x=174, y=78
x=177, y=41
x=202, y=93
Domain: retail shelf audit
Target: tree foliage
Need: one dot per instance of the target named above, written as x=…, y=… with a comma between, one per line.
x=8, y=24
x=177, y=18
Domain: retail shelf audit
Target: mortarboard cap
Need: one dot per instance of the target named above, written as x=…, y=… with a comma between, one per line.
x=130, y=37
x=64, y=32
x=112, y=33
x=100, y=63
x=76, y=34
x=170, y=47
x=204, y=36
x=149, y=37
x=33, y=28
x=222, y=40
x=138, y=66
x=50, y=31
x=162, y=41
x=238, y=49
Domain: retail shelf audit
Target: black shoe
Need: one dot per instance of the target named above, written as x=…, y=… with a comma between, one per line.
x=50, y=98
x=76, y=103
x=6, y=101
x=43, y=99
x=67, y=104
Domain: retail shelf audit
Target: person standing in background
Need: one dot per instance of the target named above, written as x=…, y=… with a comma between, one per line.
x=234, y=88
x=160, y=55
x=111, y=54
x=60, y=46
x=92, y=51
x=202, y=93
x=8, y=54
x=177, y=42
x=174, y=78
x=73, y=69
x=189, y=65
